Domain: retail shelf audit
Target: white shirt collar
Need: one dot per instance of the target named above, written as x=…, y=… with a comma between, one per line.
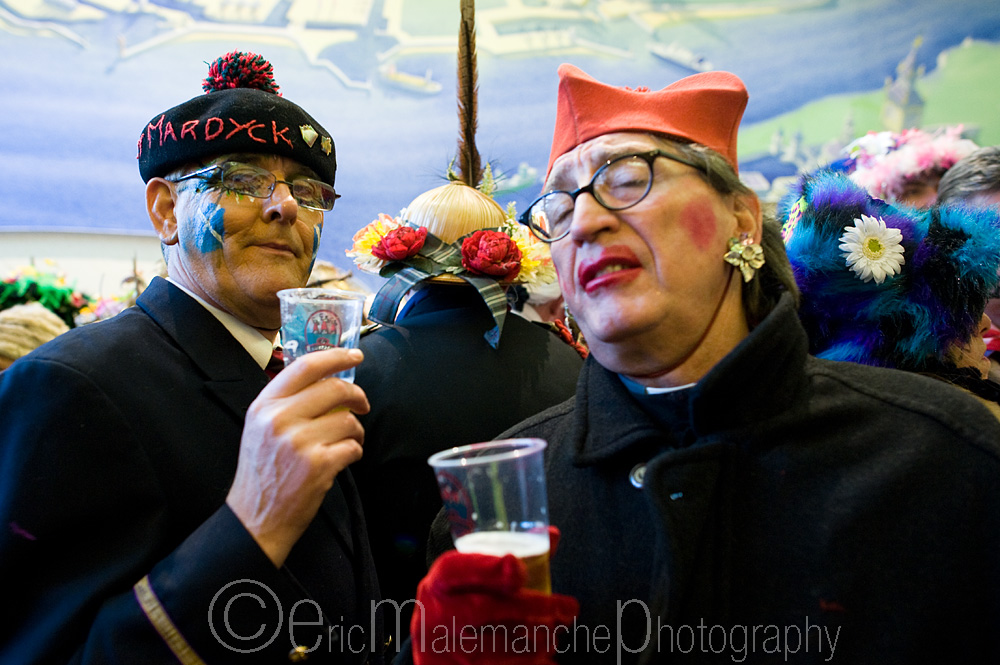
x=639, y=389
x=258, y=346
x=650, y=390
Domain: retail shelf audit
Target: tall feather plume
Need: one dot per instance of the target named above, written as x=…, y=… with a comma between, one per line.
x=469, y=165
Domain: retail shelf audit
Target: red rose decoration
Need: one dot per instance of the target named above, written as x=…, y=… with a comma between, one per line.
x=399, y=244
x=491, y=253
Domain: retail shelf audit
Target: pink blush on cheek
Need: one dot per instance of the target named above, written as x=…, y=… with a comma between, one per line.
x=698, y=219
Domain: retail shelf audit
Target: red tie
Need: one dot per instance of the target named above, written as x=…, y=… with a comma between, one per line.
x=276, y=363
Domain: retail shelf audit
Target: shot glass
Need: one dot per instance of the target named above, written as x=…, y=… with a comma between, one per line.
x=495, y=501
x=314, y=319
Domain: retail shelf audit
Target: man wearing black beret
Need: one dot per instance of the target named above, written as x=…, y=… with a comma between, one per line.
x=163, y=500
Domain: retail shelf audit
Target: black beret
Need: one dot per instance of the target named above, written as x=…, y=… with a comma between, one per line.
x=241, y=112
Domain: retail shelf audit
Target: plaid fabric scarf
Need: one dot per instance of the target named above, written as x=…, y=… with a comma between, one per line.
x=441, y=258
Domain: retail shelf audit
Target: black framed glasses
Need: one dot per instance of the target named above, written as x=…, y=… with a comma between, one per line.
x=620, y=183
x=253, y=181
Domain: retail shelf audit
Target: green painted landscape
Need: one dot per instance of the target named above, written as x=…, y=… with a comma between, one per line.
x=960, y=90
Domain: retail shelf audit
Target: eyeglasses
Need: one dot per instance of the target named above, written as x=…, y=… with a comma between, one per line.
x=620, y=183
x=249, y=180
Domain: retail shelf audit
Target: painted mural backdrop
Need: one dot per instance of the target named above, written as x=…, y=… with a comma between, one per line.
x=81, y=78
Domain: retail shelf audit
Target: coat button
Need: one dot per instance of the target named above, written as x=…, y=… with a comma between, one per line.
x=298, y=655
x=637, y=474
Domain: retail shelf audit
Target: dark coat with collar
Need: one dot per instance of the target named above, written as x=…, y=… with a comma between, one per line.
x=118, y=444
x=434, y=382
x=813, y=509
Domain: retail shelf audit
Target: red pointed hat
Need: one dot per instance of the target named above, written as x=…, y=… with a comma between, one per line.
x=704, y=108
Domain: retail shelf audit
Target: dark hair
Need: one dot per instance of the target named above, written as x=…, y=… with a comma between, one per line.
x=760, y=294
x=978, y=173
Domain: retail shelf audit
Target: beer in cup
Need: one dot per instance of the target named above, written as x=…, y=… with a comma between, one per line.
x=494, y=498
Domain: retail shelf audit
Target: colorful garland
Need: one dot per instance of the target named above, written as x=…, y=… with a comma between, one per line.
x=509, y=253
x=30, y=285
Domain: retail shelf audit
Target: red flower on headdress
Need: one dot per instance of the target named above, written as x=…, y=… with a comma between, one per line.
x=491, y=253
x=400, y=243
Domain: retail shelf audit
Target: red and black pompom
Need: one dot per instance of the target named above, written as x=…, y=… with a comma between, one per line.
x=240, y=70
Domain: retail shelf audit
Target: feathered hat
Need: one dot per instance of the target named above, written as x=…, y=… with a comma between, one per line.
x=883, y=162
x=455, y=233
x=887, y=286
x=241, y=111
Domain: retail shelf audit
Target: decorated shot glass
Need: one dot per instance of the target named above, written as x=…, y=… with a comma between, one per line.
x=314, y=319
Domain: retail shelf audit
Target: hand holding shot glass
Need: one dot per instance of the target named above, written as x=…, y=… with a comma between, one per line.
x=495, y=501
x=314, y=319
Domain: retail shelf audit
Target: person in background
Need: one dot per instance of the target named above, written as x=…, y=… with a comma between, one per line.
x=28, y=284
x=325, y=275
x=452, y=367
x=893, y=286
x=161, y=499
x=975, y=181
x=542, y=304
x=23, y=328
x=904, y=167
x=448, y=365
x=711, y=478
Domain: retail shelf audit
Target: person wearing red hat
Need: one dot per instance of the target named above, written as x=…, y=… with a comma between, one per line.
x=161, y=499
x=721, y=495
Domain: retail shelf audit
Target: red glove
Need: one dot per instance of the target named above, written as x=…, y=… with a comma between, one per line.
x=474, y=609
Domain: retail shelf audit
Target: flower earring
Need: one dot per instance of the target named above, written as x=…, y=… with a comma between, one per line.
x=745, y=254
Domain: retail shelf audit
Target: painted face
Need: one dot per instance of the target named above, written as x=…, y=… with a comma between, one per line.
x=237, y=252
x=648, y=285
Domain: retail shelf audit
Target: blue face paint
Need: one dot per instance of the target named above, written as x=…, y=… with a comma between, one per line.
x=209, y=227
x=317, y=232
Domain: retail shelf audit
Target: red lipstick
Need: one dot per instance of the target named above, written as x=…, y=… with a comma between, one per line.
x=615, y=265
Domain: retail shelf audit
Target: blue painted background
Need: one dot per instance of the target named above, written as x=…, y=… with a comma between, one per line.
x=72, y=107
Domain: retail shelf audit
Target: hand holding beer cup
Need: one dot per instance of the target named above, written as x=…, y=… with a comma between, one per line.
x=495, y=502
x=497, y=584
x=481, y=601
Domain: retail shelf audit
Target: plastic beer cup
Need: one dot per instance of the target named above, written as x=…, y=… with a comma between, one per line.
x=495, y=501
